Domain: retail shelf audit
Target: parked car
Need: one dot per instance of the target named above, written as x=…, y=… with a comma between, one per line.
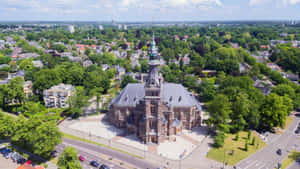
x=28, y=162
x=103, y=166
x=4, y=150
x=15, y=157
x=8, y=155
x=94, y=163
x=2, y=147
x=297, y=131
x=81, y=158
x=21, y=161
x=279, y=152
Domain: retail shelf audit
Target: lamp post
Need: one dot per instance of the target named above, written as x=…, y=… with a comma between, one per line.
x=144, y=149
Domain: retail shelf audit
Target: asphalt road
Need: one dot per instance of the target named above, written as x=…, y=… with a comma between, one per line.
x=294, y=166
x=88, y=158
x=267, y=158
x=90, y=151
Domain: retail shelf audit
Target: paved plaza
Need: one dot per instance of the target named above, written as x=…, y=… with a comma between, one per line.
x=182, y=144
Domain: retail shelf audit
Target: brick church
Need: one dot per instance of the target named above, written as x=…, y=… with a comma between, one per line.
x=156, y=110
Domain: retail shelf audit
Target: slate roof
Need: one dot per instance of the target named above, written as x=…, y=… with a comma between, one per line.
x=174, y=95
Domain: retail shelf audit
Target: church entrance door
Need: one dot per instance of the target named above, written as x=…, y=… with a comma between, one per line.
x=153, y=139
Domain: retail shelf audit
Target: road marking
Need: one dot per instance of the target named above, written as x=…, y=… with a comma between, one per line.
x=250, y=164
x=264, y=164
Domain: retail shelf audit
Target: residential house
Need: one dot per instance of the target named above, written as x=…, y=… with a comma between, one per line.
x=27, y=55
x=291, y=76
x=134, y=63
x=186, y=59
x=87, y=63
x=38, y=63
x=27, y=88
x=235, y=45
x=2, y=44
x=57, y=96
x=4, y=65
x=28, y=166
x=274, y=67
x=20, y=73
x=35, y=44
x=15, y=53
x=283, y=34
x=264, y=86
x=120, y=72
x=244, y=67
x=105, y=67
x=75, y=59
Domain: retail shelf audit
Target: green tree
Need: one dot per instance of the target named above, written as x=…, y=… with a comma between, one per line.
x=190, y=81
x=26, y=64
x=15, y=91
x=168, y=54
x=45, y=79
x=220, y=109
x=68, y=159
x=219, y=139
x=273, y=112
x=127, y=79
x=246, y=145
x=37, y=135
x=6, y=126
x=253, y=141
x=249, y=134
x=77, y=101
x=207, y=90
x=97, y=92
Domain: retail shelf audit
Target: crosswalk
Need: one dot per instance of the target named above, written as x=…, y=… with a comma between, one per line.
x=257, y=164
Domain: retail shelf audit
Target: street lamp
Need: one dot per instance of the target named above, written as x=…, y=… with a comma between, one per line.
x=144, y=149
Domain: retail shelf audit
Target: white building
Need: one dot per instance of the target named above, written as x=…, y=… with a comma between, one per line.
x=119, y=26
x=100, y=27
x=71, y=28
x=57, y=96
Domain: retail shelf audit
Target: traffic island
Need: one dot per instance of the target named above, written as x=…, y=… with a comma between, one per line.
x=234, y=149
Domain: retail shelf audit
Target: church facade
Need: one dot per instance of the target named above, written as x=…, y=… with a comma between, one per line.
x=156, y=110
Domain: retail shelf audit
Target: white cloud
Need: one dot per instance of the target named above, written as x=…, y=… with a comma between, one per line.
x=170, y=3
x=278, y=2
x=291, y=2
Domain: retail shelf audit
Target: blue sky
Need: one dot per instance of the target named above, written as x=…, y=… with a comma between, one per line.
x=145, y=10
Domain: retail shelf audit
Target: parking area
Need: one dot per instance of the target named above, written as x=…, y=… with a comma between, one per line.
x=7, y=163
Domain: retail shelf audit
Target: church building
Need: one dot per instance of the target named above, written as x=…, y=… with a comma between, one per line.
x=156, y=110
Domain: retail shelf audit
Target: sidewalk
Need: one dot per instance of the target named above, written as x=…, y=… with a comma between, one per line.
x=195, y=159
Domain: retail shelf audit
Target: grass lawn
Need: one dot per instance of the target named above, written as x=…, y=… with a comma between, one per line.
x=233, y=150
x=290, y=159
x=54, y=160
x=288, y=121
x=69, y=136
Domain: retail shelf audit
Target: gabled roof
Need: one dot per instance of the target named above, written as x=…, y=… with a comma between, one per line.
x=174, y=95
x=28, y=166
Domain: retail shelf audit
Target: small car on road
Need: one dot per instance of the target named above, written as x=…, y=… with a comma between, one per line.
x=103, y=166
x=81, y=158
x=279, y=152
x=94, y=163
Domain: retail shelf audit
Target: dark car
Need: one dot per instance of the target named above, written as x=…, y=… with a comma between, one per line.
x=94, y=163
x=21, y=161
x=279, y=152
x=103, y=166
x=297, y=131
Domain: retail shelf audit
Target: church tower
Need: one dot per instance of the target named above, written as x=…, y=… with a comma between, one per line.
x=152, y=100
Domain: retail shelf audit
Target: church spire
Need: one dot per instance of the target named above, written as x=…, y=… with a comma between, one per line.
x=154, y=61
